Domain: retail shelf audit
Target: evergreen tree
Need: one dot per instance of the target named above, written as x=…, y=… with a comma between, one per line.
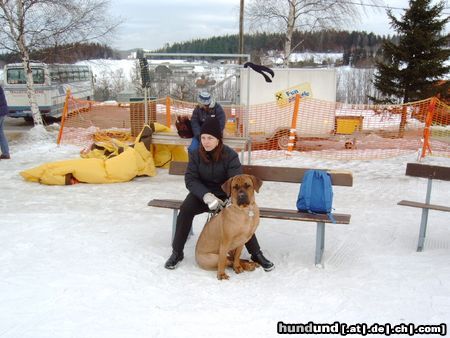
x=411, y=68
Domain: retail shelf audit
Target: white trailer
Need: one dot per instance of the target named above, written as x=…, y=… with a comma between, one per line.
x=309, y=83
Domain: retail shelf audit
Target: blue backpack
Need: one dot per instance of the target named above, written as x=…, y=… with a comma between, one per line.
x=316, y=193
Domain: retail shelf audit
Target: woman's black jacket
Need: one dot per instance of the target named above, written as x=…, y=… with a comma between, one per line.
x=201, y=177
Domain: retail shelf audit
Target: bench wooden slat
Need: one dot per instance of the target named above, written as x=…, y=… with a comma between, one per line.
x=277, y=174
x=294, y=215
x=177, y=168
x=285, y=214
x=424, y=205
x=168, y=204
x=173, y=138
x=428, y=171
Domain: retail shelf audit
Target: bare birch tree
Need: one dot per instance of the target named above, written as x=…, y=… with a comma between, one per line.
x=27, y=25
x=286, y=16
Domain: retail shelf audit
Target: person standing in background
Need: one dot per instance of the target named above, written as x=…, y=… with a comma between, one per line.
x=207, y=108
x=3, y=113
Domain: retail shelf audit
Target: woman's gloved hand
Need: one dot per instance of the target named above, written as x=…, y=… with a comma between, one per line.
x=212, y=201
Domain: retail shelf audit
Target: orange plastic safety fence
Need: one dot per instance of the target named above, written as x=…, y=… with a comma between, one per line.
x=323, y=129
x=438, y=122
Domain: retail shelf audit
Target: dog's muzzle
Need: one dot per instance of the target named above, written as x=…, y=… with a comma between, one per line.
x=242, y=198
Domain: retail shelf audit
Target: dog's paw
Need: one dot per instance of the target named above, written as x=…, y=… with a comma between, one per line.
x=238, y=269
x=222, y=275
x=249, y=266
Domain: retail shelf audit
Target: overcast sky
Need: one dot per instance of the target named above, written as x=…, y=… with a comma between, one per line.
x=150, y=24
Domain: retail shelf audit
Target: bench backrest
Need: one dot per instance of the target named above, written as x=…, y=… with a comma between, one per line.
x=277, y=174
x=428, y=171
x=173, y=138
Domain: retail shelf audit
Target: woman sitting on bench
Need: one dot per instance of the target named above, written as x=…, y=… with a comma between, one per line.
x=208, y=168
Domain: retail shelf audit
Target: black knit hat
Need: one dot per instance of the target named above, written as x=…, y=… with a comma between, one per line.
x=212, y=127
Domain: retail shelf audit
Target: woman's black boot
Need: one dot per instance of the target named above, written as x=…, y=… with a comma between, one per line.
x=173, y=260
x=263, y=261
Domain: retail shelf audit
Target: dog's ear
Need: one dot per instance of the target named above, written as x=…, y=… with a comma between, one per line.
x=226, y=187
x=257, y=182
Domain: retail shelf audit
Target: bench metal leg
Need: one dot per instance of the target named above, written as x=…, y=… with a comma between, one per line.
x=424, y=219
x=174, y=224
x=423, y=229
x=320, y=242
x=249, y=151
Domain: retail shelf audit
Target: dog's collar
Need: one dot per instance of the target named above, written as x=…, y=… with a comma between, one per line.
x=251, y=211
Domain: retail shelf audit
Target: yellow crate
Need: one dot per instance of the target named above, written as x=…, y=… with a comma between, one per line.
x=348, y=124
x=230, y=128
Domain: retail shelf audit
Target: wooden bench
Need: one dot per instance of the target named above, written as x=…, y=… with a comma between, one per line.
x=241, y=143
x=430, y=172
x=275, y=174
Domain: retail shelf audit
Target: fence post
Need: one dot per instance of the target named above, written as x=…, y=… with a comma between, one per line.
x=63, y=118
x=168, y=117
x=427, y=131
x=145, y=105
x=293, y=130
x=403, y=120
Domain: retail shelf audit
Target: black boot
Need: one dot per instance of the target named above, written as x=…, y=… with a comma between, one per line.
x=173, y=260
x=263, y=261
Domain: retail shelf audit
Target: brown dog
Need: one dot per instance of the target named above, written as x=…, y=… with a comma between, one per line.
x=228, y=231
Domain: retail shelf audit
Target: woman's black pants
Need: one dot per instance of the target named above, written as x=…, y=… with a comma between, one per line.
x=191, y=207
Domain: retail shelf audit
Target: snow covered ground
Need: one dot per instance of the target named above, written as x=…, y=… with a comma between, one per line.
x=87, y=260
